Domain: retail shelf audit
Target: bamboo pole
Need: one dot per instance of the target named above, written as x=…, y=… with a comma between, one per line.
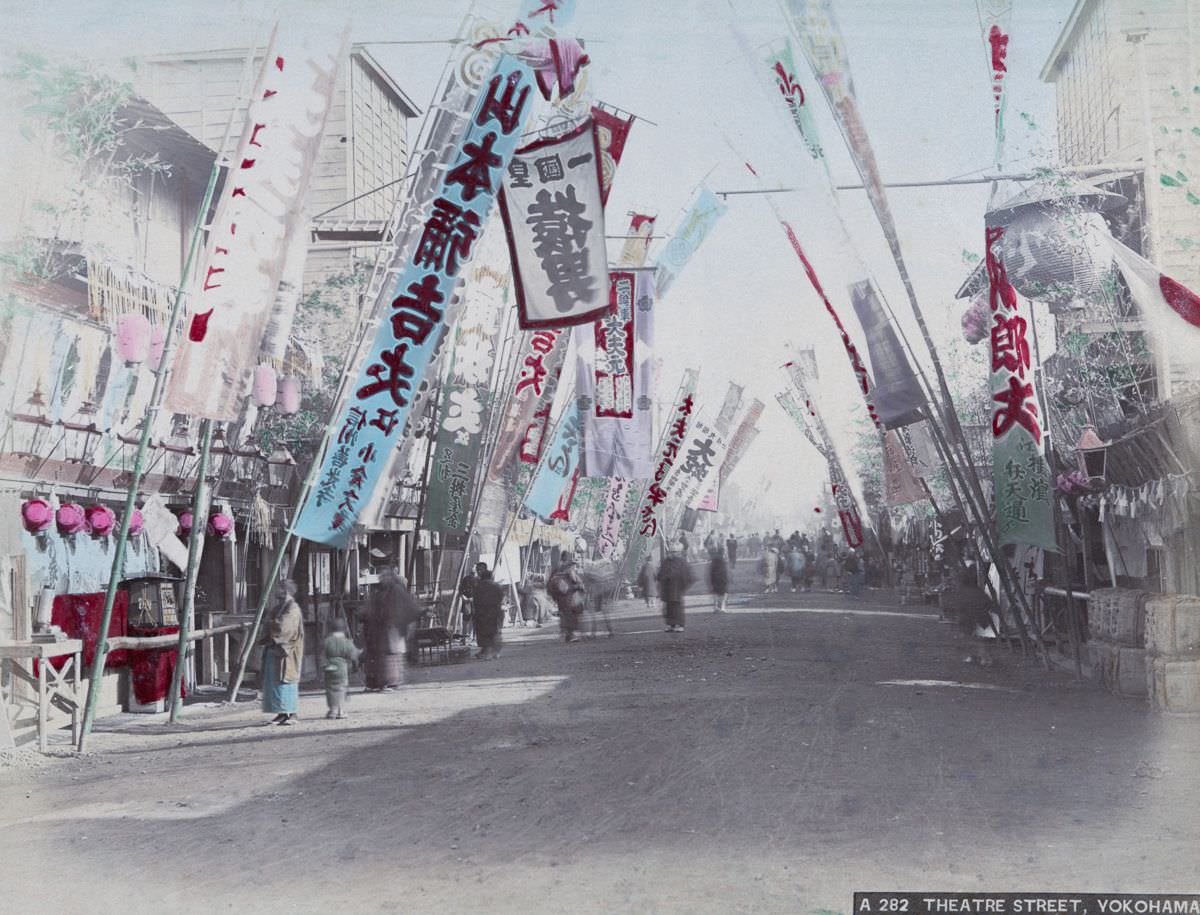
x=200, y=502
x=139, y=463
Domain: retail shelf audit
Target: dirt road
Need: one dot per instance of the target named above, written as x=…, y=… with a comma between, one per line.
x=772, y=759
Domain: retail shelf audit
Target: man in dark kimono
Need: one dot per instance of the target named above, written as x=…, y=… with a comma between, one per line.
x=390, y=610
x=489, y=603
x=674, y=578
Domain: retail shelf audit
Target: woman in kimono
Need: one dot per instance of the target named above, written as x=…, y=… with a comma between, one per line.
x=283, y=655
x=389, y=611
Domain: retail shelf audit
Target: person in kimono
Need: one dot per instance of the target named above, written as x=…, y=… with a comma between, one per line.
x=283, y=656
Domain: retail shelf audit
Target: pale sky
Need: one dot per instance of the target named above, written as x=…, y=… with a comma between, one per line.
x=922, y=84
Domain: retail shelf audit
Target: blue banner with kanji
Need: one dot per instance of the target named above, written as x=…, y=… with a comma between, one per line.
x=554, y=486
x=373, y=417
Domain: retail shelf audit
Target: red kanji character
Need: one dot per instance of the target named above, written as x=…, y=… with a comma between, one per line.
x=1010, y=349
x=534, y=380
x=1000, y=291
x=475, y=173
x=337, y=521
x=415, y=314
x=385, y=420
x=503, y=109
x=686, y=407
x=655, y=494
x=447, y=238
x=1016, y=407
x=390, y=376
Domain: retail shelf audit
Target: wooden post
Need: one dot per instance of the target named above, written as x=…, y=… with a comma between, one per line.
x=200, y=500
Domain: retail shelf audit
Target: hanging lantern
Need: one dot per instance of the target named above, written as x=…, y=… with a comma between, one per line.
x=220, y=525
x=36, y=515
x=1092, y=454
x=158, y=342
x=133, y=338
x=265, y=386
x=975, y=319
x=185, y=524
x=100, y=520
x=70, y=518
x=288, y=395
x=136, y=522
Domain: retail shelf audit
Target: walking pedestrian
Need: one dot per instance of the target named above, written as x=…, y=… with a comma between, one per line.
x=532, y=610
x=769, y=565
x=973, y=608
x=390, y=609
x=466, y=590
x=567, y=591
x=648, y=579
x=674, y=578
x=796, y=566
x=337, y=654
x=489, y=609
x=731, y=549
x=283, y=656
x=718, y=580
x=685, y=547
x=853, y=570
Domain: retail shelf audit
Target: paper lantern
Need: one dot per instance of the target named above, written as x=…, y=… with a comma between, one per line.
x=133, y=338
x=975, y=319
x=288, y=395
x=265, y=386
x=36, y=515
x=1051, y=256
x=70, y=518
x=136, y=522
x=185, y=524
x=220, y=525
x=100, y=520
x=158, y=342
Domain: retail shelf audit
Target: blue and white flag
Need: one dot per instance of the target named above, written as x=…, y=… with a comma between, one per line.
x=706, y=209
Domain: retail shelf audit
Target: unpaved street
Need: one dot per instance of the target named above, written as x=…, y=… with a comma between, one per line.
x=761, y=761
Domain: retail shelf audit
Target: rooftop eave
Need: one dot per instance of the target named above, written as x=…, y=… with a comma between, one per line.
x=1079, y=14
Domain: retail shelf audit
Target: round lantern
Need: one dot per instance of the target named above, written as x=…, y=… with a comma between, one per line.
x=136, y=522
x=185, y=524
x=1053, y=256
x=158, y=342
x=36, y=515
x=220, y=525
x=288, y=395
x=69, y=519
x=265, y=386
x=133, y=338
x=100, y=520
x=975, y=319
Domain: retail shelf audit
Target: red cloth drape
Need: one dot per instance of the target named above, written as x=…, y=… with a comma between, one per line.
x=78, y=615
x=150, y=671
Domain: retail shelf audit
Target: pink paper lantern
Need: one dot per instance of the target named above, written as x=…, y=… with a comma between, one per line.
x=36, y=515
x=185, y=524
x=158, y=342
x=133, y=338
x=70, y=518
x=220, y=525
x=975, y=320
x=136, y=522
x=100, y=520
x=265, y=386
x=288, y=395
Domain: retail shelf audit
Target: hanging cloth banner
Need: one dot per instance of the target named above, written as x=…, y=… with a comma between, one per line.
x=614, y=380
x=373, y=418
x=554, y=485
x=466, y=401
x=612, y=131
x=783, y=72
x=260, y=210
x=1161, y=300
x=745, y=433
x=669, y=457
x=729, y=407
x=703, y=453
x=637, y=241
x=703, y=214
x=896, y=395
x=900, y=482
x=847, y=507
x=554, y=220
x=608, y=538
x=996, y=19
x=1021, y=476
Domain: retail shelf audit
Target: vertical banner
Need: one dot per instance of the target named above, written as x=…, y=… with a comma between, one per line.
x=783, y=73
x=703, y=451
x=673, y=438
x=897, y=395
x=261, y=208
x=612, y=131
x=554, y=220
x=1020, y=474
x=900, y=483
x=554, y=485
x=701, y=216
x=466, y=402
x=540, y=361
x=637, y=241
x=609, y=537
x=996, y=19
x=372, y=420
x=729, y=407
x=614, y=380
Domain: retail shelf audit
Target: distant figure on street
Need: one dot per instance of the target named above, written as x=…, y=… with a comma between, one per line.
x=283, y=656
x=754, y=544
x=973, y=609
x=390, y=609
x=685, y=547
x=852, y=567
x=731, y=548
x=674, y=578
x=466, y=590
x=810, y=569
x=648, y=579
x=337, y=654
x=718, y=580
x=796, y=566
x=710, y=543
x=567, y=591
x=769, y=566
x=532, y=610
x=489, y=608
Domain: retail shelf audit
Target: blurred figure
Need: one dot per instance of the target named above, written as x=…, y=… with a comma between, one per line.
x=567, y=591
x=973, y=609
x=648, y=579
x=731, y=549
x=769, y=566
x=718, y=580
x=489, y=608
x=674, y=578
x=337, y=654
x=390, y=610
